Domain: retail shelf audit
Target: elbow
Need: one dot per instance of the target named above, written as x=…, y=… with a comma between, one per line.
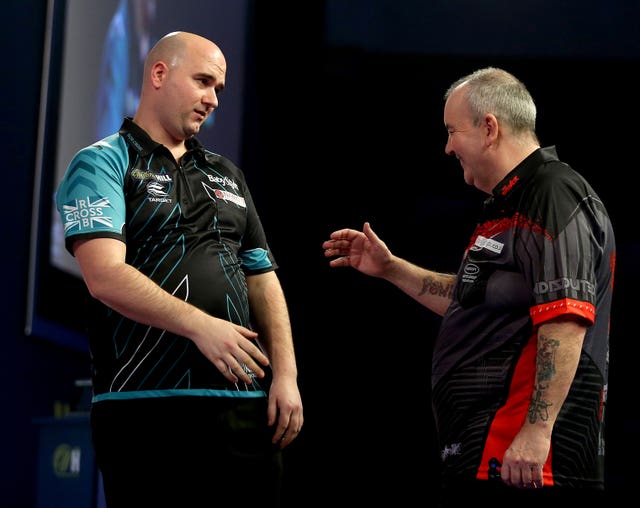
x=96, y=288
x=101, y=284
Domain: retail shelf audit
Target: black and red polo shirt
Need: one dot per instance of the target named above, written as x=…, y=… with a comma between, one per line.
x=544, y=247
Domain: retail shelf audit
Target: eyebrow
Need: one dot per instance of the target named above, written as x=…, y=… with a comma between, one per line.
x=210, y=77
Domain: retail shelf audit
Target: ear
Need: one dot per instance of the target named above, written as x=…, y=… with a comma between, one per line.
x=490, y=124
x=159, y=73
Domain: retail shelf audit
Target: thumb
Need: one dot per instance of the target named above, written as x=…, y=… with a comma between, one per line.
x=368, y=232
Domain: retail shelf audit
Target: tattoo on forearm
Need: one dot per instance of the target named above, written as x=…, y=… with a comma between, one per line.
x=432, y=286
x=545, y=370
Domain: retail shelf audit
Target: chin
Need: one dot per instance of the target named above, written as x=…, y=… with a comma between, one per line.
x=192, y=130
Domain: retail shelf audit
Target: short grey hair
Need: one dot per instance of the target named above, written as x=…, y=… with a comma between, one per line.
x=496, y=91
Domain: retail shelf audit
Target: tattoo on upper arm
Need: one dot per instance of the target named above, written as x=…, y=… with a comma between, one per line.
x=545, y=370
x=432, y=286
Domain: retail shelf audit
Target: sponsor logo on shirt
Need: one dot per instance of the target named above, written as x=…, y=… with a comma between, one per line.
x=86, y=213
x=157, y=193
x=451, y=450
x=487, y=243
x=139, y=174
x=470, y=272
x=230, y=196
x=223, y=180
x=549, y=286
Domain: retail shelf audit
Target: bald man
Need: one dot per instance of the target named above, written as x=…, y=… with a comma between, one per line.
x=194, y=370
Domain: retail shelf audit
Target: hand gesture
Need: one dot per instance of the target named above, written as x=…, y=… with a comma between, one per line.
x=362, y=250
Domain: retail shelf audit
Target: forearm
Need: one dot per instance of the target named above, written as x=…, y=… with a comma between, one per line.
x=126, y=290
x=558, y=354
x=135, y=296
x=431, y=289
x=271, y=317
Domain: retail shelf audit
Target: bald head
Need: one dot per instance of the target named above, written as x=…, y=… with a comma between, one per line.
x=173, y=47
x=183, y=75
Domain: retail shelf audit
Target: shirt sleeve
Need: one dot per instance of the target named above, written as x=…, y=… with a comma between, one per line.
x=90, y=196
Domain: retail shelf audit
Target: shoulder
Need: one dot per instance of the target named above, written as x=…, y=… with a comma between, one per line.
x=556, y=178
x=111, y=151
x=216, y=158
x=551, y=170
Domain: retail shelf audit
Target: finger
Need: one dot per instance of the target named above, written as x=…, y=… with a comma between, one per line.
x=286, y=437
x=243, y=366
x=243, y=330
x=368, y=230
x=537, y=478
x=336, y=251
x=246, y=368
x=342, y=261
x=289, y=424
x=343, y=234
x=282, y=427
x=370, y=233
x=237, y=372
x=331, y=252
x=529, y=485
x=336, y=246
x=225, y=370
x=508, y=476
x=339, y=234
x=279, y=435
x=252, y=356
x=239, y=365
x=250, y=353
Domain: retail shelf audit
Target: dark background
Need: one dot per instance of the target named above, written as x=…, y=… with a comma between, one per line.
x=344, y=125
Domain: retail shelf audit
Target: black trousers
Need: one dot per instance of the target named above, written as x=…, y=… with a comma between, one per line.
x=186, y=452
x=480, y=494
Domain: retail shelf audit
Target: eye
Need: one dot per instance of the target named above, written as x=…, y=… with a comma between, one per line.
x=204, y=80
x=451, y=131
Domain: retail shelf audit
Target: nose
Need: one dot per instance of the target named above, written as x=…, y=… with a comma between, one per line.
x=447, y=147
x=210, y=99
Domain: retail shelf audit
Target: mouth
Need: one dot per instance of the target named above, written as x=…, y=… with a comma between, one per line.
x=202, y=115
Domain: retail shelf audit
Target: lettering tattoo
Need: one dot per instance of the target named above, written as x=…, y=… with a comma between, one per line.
x=432, y=286
x=546, y=359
